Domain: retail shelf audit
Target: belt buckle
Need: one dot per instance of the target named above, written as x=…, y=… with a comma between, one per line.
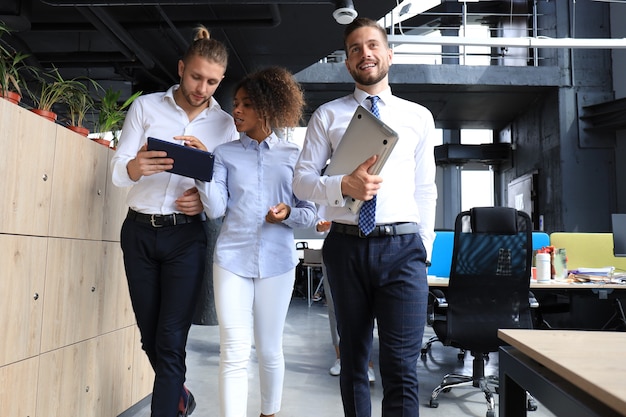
x=388, y=230
x=153, y=221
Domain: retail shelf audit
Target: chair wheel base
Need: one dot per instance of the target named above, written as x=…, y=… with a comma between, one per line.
x=531, y=405
x=433, y=403
x=491, y=413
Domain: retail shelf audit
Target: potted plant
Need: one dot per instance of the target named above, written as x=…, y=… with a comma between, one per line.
x=53, y=89
x=111, y=116
x=12, y=65
x=79, y=101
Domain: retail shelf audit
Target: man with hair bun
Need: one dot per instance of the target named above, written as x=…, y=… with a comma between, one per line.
x=163, y=238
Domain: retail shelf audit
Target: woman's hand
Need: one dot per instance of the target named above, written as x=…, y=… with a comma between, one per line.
x=278, y=213
x=192, y=142
x=322, y=226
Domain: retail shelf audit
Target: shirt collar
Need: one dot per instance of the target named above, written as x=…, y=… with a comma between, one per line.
x=270, y=141
x=361, y=96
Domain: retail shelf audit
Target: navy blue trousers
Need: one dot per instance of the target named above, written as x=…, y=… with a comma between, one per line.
x=164, y=268
x=382, y=279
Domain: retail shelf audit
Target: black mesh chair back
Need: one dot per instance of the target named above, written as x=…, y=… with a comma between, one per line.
x=489, y=277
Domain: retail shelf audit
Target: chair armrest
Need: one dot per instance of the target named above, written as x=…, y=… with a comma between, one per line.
x=532, y=300
x=439, y=299
x=436, y=302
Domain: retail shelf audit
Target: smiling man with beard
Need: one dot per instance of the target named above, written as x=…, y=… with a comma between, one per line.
x=376, y=272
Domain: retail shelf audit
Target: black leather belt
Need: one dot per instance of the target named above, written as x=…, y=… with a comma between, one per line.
x=391, y=229
x=164, y=220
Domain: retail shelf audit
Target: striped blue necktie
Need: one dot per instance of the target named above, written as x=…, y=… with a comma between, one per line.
x=367, y=214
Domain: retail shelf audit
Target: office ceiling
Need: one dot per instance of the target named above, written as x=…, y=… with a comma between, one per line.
x=140, y=41
x=134, y=45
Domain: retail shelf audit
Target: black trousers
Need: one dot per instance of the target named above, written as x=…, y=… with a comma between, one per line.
x=382, y=279
x=164, y=268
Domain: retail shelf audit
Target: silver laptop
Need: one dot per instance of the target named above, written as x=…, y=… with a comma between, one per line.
x=618, y=222
x=365, y=136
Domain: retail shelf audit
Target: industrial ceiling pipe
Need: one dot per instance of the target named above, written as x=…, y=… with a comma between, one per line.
x=108, y=3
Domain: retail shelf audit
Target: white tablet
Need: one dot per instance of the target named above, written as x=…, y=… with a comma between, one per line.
x=365, y=136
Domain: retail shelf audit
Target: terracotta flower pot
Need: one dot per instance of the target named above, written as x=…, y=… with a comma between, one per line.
x=12, y=96
x=103, y=142
x=83, y=131
x=52, y=116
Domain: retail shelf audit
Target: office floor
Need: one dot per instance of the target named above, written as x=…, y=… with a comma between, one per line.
x=309, y=389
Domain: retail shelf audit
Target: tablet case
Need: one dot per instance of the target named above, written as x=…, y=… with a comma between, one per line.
x=188, y=161
x=365, y=136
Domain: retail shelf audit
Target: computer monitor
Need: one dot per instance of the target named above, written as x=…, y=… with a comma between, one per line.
x=619, y=234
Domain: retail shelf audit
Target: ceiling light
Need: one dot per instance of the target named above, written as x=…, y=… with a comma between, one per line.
x=344, y=12
x=405, y=9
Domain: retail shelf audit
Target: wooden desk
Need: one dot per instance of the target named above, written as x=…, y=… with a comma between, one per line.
x=443, y=282
x=572, y=373
x=605, y=300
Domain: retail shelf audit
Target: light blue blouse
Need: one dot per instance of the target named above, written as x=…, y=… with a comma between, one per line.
x=249, y=178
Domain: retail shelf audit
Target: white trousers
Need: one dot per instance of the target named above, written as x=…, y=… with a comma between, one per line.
x=248, y=307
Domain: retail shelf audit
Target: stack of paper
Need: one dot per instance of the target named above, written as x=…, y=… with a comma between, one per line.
x=607, y=270
x=606, y=274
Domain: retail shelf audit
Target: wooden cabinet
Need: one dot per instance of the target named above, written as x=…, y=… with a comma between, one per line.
x=78, y=186
x=69, y=342
x=66, y=385
x=73, y=292
x=28, y=146
x=21, y=292
x=18, y=395
x=113, y=291
x=115, y=208
x=92, y=378
x=114, y=380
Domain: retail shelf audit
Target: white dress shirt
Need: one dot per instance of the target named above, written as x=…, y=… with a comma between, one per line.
x=159, y=116
x=249, y=178
x=408, y=192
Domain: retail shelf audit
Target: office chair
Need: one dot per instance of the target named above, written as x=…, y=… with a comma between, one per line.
x=489, y=289
x=441, y=262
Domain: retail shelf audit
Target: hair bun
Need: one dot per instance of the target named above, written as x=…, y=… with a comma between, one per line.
x=202, y=33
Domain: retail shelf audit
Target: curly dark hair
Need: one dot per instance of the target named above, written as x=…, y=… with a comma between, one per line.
x=275, y=95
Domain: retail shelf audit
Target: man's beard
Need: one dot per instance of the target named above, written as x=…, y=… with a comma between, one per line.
x=187, y=96
x=369, y=79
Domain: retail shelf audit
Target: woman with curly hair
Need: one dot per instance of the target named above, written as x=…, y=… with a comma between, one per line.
x=255, y=257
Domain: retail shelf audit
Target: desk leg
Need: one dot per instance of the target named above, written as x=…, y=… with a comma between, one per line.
x=512, y=397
